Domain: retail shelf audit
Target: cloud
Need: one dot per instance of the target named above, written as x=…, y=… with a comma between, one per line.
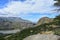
x=15, y=8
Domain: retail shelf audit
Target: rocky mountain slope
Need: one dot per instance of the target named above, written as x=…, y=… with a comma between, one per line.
x=8, y=23
x=44, y=20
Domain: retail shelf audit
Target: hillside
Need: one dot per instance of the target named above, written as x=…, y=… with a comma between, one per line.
x=44, y=20
x=44, y=31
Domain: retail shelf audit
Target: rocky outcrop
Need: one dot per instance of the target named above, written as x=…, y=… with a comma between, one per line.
x=42, y=37
x=44, y=20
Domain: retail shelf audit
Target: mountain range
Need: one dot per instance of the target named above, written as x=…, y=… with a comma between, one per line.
x=9, y=23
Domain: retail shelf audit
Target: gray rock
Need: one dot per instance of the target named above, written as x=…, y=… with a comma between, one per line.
x=42, y=37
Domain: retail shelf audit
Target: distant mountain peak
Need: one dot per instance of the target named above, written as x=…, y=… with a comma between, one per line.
x=44, y=20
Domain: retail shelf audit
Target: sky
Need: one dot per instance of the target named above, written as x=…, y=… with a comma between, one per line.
x=31, y=10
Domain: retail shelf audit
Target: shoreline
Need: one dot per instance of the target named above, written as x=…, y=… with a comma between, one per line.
x=9, y=31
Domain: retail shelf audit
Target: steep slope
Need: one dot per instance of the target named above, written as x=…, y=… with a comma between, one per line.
x=8, y=23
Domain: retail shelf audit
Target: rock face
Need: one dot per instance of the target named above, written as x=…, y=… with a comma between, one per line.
x=8, y=23
x=44, y=20
x=42, y=37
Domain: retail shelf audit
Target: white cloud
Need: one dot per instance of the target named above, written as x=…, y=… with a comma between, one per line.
x=34, y=6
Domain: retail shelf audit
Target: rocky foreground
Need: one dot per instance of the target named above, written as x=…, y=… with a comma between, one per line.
x=42, y=37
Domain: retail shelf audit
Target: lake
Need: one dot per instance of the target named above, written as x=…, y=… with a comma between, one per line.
x=9, y=31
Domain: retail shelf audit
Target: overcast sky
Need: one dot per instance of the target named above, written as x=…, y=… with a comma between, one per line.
x=31, y=10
